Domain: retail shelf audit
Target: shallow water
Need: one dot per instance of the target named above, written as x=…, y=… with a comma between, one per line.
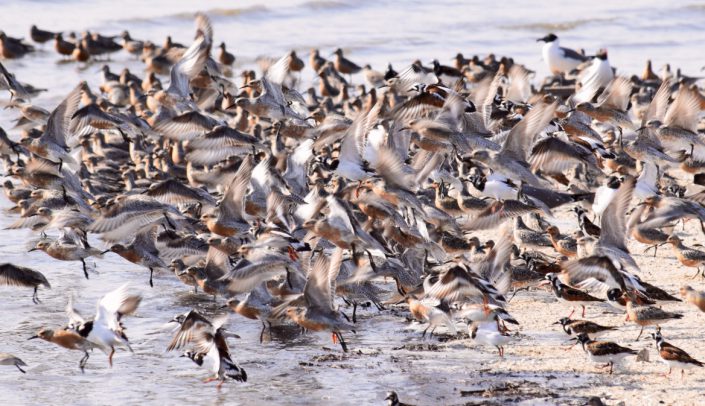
x=377, y=32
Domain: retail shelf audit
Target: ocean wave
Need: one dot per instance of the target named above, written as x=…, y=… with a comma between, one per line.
x=225, y=12
x=559, y=26
x=325, y=5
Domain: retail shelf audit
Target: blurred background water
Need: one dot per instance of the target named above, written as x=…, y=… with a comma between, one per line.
x=376, y=32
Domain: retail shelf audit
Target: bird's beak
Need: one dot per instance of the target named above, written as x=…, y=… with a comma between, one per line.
x=105, y=252
x=33, y=249
x=640, y=129
x=245, y=86
x=571, y=110
x=32, y=338
x=541, y=39
x=558, y=322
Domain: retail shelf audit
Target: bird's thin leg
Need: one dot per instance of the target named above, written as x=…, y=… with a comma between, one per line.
x=269, y=324
x=110, y=357
x=84, y=360
x=640, y=331
x=220, y=384
x=342, y=342
x=35, y=298
x=261, y=334
x=151, y=275
x=423, y=335
x=571, y=313
x=611, y=365
x=583, y=310
x=85, y=270
x=696, y=274
x=354, y=316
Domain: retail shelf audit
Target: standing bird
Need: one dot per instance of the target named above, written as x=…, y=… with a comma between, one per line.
x=687, y=256
x=69, y=339
x=559, y=60
x=673, y=356
x=11, y=48
x=564, y=245
x=13, y=275
x=648, y=315
x=40, y=36
x=63, y=47
x=575, y=327
x=225, y=57
x=604, y=351
x=570, y=294
x=9, y=359
x=489, y=333
x=693, y=296
x=587, y=226
x=344, y=65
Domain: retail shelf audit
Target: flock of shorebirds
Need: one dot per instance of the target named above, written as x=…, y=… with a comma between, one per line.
x=281, y=203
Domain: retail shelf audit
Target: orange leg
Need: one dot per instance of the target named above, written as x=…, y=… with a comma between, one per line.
x=334, y=338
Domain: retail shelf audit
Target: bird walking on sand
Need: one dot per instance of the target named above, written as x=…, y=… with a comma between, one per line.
x=687, y=256
x=673, y=356
x=604, y=351
x=648, y=315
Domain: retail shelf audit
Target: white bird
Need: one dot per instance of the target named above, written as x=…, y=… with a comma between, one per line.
x=436, y=315
x=595, y=77
x=647, y=183
x=105, y=331
x=559, y=60
x=604, y=195
x=488, y=333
